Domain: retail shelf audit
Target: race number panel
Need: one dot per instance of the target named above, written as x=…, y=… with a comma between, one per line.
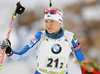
x=55, y=62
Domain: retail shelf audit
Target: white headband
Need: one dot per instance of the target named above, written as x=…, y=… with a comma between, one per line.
x=58, y=16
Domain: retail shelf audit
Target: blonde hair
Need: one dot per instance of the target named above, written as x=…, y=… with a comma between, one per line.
x=56, y=8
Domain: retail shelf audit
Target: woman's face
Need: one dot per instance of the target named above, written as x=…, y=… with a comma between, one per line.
x=52, y=26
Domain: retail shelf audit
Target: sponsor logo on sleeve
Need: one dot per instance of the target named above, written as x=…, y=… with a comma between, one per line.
x=34, y=40
x=74, y=37
x=30, y=43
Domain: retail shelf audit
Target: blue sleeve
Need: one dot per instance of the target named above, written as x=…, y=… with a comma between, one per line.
x=78, y=53
x=32, y=42
x=26, y=51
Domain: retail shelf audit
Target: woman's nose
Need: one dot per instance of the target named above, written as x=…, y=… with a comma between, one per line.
x=48, y=24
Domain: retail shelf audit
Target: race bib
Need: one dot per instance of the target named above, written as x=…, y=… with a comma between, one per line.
x=55, y=62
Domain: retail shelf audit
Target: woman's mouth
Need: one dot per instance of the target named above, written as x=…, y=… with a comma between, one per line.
x=49, y=28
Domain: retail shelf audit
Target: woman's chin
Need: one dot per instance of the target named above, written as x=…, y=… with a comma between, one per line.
x=50, y=32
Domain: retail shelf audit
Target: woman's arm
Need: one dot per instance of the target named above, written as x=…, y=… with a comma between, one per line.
x=26, y=51
x=76, y=49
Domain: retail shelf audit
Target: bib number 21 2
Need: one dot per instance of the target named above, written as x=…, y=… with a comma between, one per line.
x=55, y=62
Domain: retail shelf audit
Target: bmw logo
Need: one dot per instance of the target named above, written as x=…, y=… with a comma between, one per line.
x=56, y=49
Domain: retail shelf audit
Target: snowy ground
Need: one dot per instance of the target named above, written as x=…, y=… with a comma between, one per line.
x=28, y=65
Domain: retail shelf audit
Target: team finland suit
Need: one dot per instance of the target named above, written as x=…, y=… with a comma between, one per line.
x=53, y=51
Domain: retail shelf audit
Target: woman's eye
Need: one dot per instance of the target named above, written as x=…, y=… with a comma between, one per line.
x=46, y=21
x=52, y=21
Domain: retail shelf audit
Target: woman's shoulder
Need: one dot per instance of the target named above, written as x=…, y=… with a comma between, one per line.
x=40, y=33
x=68, y=33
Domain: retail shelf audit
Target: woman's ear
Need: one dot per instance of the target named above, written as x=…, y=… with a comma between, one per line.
x=60, y=24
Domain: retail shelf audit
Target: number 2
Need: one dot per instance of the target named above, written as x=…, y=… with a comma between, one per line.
x=49, y=64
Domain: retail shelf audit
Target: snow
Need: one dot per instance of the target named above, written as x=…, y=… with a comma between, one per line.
x=91, y=13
